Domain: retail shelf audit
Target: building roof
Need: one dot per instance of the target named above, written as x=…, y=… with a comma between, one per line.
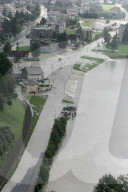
x=33, y=70
x=30, y=82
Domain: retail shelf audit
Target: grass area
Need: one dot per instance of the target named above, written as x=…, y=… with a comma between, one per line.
x=87, y=67
x=66, y=101
x=87, y=23
x=117, y=55
x=68, y=31
x=108, y=7
x=98, y=60
x=13, y=117
x=24, y=48
x=123, y=49
x=122, y=52
x=37, y=103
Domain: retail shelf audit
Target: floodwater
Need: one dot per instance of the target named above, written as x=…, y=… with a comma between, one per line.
x=94, y=145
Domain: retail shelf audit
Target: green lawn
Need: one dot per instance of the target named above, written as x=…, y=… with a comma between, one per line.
x=68, y=31
x=117, y=55
x=87, y=23
x=24, y=48
x=98, y=60
x=89, y=65
x=123, y=49
x=13, y=117
x=108, y=7
x=37, y=103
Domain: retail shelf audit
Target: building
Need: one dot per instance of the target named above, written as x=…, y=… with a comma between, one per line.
x=121, y=32
x=7, y=8
x=41, y=33
x=32, y=73
x=30, y=86
x=18, y=54
x=87, y=33
x=57, y=26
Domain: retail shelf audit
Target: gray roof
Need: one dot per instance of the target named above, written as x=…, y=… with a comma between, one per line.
x=34, y=70
x=30, y=82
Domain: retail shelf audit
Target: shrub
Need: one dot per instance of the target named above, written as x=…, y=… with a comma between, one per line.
x=9, y=102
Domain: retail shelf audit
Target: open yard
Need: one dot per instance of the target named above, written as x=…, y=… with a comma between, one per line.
x=108, y=7
x=87, y=23
x=24, y=48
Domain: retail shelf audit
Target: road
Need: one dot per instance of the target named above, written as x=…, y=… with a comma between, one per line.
x=26, y=173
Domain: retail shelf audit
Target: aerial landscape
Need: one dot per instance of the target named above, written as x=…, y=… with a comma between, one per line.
x=63, y=95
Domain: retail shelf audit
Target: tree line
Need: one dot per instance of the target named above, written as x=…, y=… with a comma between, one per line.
x=109, y=183
x=58, y=131
x=7, y=81
x=96, y=11
x=6, y=138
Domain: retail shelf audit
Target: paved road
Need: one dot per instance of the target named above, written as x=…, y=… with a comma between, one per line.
x=26, y=173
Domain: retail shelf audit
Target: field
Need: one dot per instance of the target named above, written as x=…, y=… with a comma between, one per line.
x=98, y=60
x=37, y=106
x=24, y=48
x=13, y=117
x=122, y=52
x=87, y=23
x=68, y=31
x=123, y=49
x=108, y=7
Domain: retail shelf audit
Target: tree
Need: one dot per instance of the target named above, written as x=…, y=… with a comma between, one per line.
x=54, y=35
x=43, y=21
x=7, y=47
x=114, y=42
x=1, y=104
x=106, y=35
x=5, y=64
x=10, y=15
x=125, y=34
x=35, y=48
x=4, y=12
x=106, y=184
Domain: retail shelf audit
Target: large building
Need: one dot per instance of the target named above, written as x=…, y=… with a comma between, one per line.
x=41, y=33
x=57, y=26
x=32, y=73
x=121, y=32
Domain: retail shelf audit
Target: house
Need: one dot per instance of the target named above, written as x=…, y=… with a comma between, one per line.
x=18, y=54
x=32, y=73
x=30, y=86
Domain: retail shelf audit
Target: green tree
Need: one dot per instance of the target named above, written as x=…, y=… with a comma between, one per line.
x=35, y=48
x=43, y=21
x=106, y=35
x=1, y=104
x=106, y=184
x=125, y=35
x=5, y=64
x=4, y=12
x=114, y=42
x=7, y=47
